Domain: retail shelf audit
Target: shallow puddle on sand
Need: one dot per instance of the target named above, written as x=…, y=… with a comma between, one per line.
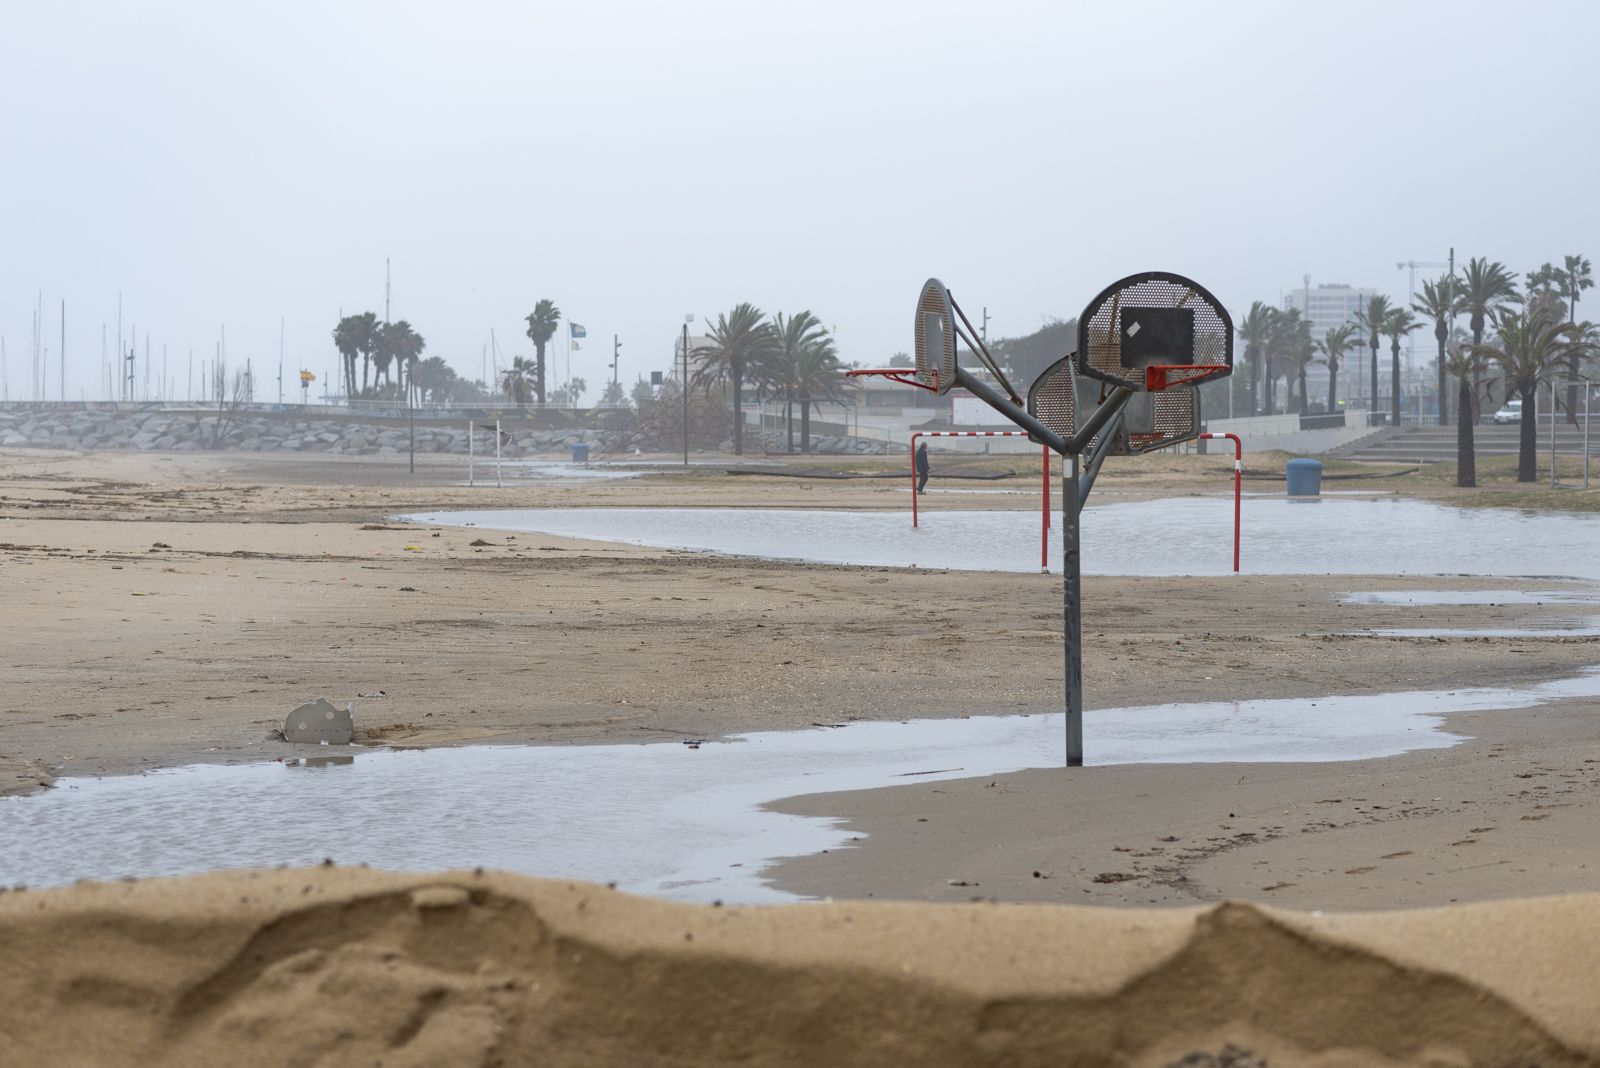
x=1565, y=625
x=1174, y=536
x=663, y=819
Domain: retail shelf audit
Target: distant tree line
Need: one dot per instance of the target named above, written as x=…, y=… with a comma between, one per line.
x=388, y=357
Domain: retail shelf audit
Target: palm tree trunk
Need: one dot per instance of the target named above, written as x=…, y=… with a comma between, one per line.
x=1444, y=408
x=1303, y=405
x=1372, y=405
x=1333, y=388
x=366, y=365
x=1394, y=381
x=738, y=409
x=1253, y=357
x=1528, y=439
x=1572, y=389
x=805, y=420
x=788, y=415
x=1477, y=374
x=1466, y=461
x=538, y=380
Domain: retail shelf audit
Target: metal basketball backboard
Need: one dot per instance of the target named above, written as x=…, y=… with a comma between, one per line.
x=935, y=338
x=1154, y=328
x=1052, y=399
x=1157, y=420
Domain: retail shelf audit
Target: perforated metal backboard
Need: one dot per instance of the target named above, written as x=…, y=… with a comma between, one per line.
x=1053, y=398
x=1158, y=420
x=1152, y=319
x=936, y=337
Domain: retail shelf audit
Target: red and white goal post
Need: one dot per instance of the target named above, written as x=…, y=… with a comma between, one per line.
x=1044, y=512
x=1238, y=487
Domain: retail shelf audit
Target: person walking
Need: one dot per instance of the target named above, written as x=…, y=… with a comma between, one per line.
x=922, y=467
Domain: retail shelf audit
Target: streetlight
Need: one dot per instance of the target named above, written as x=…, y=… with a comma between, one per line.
x=687, y=319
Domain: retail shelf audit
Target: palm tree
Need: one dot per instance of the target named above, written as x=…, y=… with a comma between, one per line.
x=517, y=381
x=741, y=340
x=1333, y=346
x=542, y=323
x=1255, y=330
x=1531, y=342
x=404, y=346
x=348, y=340
x=794, y=336
x=1397, y=324
x=1484, y=287
x=1371, y=320
x=1439, y=303
x=1296, y=351
x=819, y=377
x=434, y=379
x=382, y=354
x=356, y=335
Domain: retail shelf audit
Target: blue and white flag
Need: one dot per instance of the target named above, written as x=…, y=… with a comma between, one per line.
x=577, y=330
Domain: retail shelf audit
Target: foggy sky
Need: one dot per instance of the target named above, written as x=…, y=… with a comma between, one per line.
x=232, y=163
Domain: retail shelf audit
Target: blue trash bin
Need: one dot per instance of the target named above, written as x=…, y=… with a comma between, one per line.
x=580, y=452
x=1305, y=478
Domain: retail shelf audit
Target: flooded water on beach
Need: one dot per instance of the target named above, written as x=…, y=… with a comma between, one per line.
x=1568, y=623
x=1179, y=536
x=671, y=820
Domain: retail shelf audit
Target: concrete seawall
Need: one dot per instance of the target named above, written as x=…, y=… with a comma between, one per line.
x=199, y=429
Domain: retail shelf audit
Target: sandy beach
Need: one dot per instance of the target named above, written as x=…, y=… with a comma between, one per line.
x=339, y=966
x=169, y=610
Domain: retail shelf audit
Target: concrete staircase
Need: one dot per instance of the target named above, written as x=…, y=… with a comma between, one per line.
x=1437, y=444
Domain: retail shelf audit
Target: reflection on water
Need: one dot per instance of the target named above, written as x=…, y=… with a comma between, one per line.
x=663, y=819
x=1183, y=536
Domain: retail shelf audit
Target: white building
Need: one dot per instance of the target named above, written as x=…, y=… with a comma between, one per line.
x=1326, y=306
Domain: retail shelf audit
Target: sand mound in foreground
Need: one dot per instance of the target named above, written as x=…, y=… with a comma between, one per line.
x=351, y=967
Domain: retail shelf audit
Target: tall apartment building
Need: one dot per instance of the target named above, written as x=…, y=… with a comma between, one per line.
x=1329, y=305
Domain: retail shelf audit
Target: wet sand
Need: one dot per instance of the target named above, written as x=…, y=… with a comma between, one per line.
x=166, y=610
x=169, y=610
x=1509, y=813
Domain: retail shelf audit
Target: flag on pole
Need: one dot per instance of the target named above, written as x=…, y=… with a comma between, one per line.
x=577, y=330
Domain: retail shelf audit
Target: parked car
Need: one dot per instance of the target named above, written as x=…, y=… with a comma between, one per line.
x=1511, y=413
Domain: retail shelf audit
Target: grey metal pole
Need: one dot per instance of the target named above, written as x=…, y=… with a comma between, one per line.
x=1072, y=622
x=1552, y=431
x=1588, y=393
x=686, y=393
x=987, y=394
x=470, y=428
x=497, y=453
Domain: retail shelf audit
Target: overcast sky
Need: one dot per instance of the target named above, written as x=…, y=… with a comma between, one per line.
x=231, y=163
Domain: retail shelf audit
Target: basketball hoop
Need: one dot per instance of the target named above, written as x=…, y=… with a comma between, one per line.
x=906, y=376
x=1162, y=375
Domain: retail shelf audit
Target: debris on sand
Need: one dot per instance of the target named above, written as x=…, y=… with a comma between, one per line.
x=319, y=722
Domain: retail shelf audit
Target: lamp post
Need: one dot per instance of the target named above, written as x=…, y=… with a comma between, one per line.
x=687, y=319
